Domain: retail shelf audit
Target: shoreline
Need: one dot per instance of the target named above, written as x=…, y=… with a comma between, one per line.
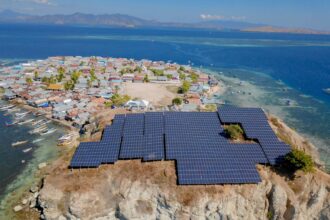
x=222, y=90
x=35, y=173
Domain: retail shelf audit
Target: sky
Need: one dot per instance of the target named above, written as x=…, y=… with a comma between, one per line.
x=287, y=13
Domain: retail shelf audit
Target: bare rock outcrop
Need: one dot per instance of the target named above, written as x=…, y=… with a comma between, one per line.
x=135, y=190
x=114, y=192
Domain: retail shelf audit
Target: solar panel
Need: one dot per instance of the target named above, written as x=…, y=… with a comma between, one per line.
x=194, y=139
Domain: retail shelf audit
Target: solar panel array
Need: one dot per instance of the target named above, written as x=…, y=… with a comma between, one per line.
x=195, y=140
x=256, y=126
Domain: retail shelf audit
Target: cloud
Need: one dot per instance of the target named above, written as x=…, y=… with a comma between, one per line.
x=41, y=2
x=222, y=17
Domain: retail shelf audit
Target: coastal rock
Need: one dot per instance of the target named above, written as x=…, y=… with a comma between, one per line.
x=24, y=201
x=113, y=195
x=278, y=202
x=33, y=203
x=34, y=189
x=135, y=190
x=42, y=165
x=18, y=208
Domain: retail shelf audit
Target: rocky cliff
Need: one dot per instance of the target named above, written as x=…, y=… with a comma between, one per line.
x=135, y=190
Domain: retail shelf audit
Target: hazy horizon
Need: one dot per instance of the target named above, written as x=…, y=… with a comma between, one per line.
x=293, y=14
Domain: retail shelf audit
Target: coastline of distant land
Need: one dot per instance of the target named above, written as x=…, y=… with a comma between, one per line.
x=127, y=21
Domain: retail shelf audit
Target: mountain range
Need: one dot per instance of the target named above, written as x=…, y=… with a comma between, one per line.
x=120, y=20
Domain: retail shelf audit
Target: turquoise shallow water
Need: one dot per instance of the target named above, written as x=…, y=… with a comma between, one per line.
x=14, y=174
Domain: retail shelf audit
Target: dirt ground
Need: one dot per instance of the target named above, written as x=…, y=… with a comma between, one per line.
x=157, y=94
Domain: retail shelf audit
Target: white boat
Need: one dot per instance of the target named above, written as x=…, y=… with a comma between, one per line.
x=3, y=108
x=37, y=140
x=25, y=122
x=18, y=143
x=27, y=150
x=22, y=114
x=13, y=109
x=66, y=137
x=327, y=90
x=38, y=130
x=19, y=117
x=37, y=122
x=48, y=132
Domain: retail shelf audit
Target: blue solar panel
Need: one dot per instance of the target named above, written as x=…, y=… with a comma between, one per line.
x=194, y=139
x=256, y=126
x=132, y=147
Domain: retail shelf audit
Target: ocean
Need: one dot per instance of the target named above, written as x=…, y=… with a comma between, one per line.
x=273, y=68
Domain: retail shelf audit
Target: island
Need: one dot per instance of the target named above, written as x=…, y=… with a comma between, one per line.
x=95, y=98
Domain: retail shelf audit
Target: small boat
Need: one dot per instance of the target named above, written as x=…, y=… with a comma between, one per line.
x=37, y=114
x=38, y=130
x=13, y=109
x=19, y=117
x=8, y=124
x=66, y=137
x=18, y=143
x=27, y=150
x=37, y=140
x=37, y=122
x=22, y=114
x=48, y=131
x=3, y=108
x=23, y=161
x=25, y=122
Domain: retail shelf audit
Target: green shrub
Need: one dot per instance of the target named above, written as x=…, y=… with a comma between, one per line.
x=299, y=160
x=185, y=87
x=234, y=131
x=119, y=100
x=270, y=215
x=177, y=101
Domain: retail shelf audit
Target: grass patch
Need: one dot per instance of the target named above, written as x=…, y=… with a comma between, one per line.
x=234, y=132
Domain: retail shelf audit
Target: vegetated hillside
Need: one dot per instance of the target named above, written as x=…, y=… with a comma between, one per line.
x=135, y=190
x=120, y=20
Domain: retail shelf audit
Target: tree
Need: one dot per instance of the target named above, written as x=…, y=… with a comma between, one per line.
x=61, y=70
x=194, y=77
x=75, y=76
x=36, y=75
x=60, y=76
x=177, y=101
x=69, y=85
x=157, y=72
x=93, y=76
x=299, y=160
x=146, y=78
x=52, y=79
x=234, y=131
x=119, y=100
x=169, y=76
x=185, y=87
x=29, y=80
x=138, y=69
x=182, y=76
x=45, y=79
x=182, y=69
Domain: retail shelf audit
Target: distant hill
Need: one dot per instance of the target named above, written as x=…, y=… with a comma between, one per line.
x=120, y=20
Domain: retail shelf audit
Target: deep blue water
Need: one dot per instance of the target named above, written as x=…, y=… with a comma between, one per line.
x=302, y=62
x=305, y=66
